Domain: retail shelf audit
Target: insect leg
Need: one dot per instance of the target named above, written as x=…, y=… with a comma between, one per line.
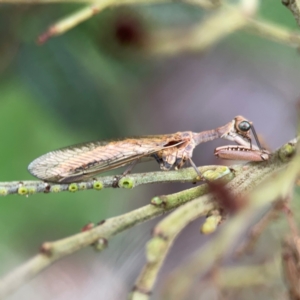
x=195, y=167
x=157, y=158
x=127, y=171
x=166, y=166
x=162, y=161
x=179, y=163
x=130, y=167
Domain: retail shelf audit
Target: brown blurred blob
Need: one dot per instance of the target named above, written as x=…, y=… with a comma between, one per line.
x=227, y=201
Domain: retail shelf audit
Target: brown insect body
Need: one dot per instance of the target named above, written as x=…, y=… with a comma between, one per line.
x=82, y=161
x=79, y=162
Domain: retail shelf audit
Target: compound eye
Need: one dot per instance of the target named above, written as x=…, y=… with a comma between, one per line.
x=244, y=126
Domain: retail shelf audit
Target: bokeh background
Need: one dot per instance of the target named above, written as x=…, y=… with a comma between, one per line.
x=93, y=83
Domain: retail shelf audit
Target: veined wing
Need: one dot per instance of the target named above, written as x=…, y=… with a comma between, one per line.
x=81, y=161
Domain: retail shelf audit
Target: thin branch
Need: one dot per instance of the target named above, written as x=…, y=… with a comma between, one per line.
x=82, y=15
x=53, y=251
x=199, y=38
x=164, y=235
x=96, y=7
x=129, y=181
x=273, y=32
x=168, y=229
x=227, y=20
x=246, y=179
x=206, y=34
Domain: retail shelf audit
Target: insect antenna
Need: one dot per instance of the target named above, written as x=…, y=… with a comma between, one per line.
x=256, y=138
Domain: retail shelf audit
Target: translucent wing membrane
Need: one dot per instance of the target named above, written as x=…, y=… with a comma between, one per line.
x=81, y=161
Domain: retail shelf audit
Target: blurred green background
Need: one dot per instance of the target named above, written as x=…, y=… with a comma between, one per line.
x=94, y=83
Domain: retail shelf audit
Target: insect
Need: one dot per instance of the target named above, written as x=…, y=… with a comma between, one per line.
x=237, y=152
x=79, y=162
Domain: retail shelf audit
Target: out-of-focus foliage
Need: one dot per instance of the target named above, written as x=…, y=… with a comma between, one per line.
x=94, y=83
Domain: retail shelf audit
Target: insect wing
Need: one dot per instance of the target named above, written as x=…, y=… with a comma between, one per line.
x=81, y=161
